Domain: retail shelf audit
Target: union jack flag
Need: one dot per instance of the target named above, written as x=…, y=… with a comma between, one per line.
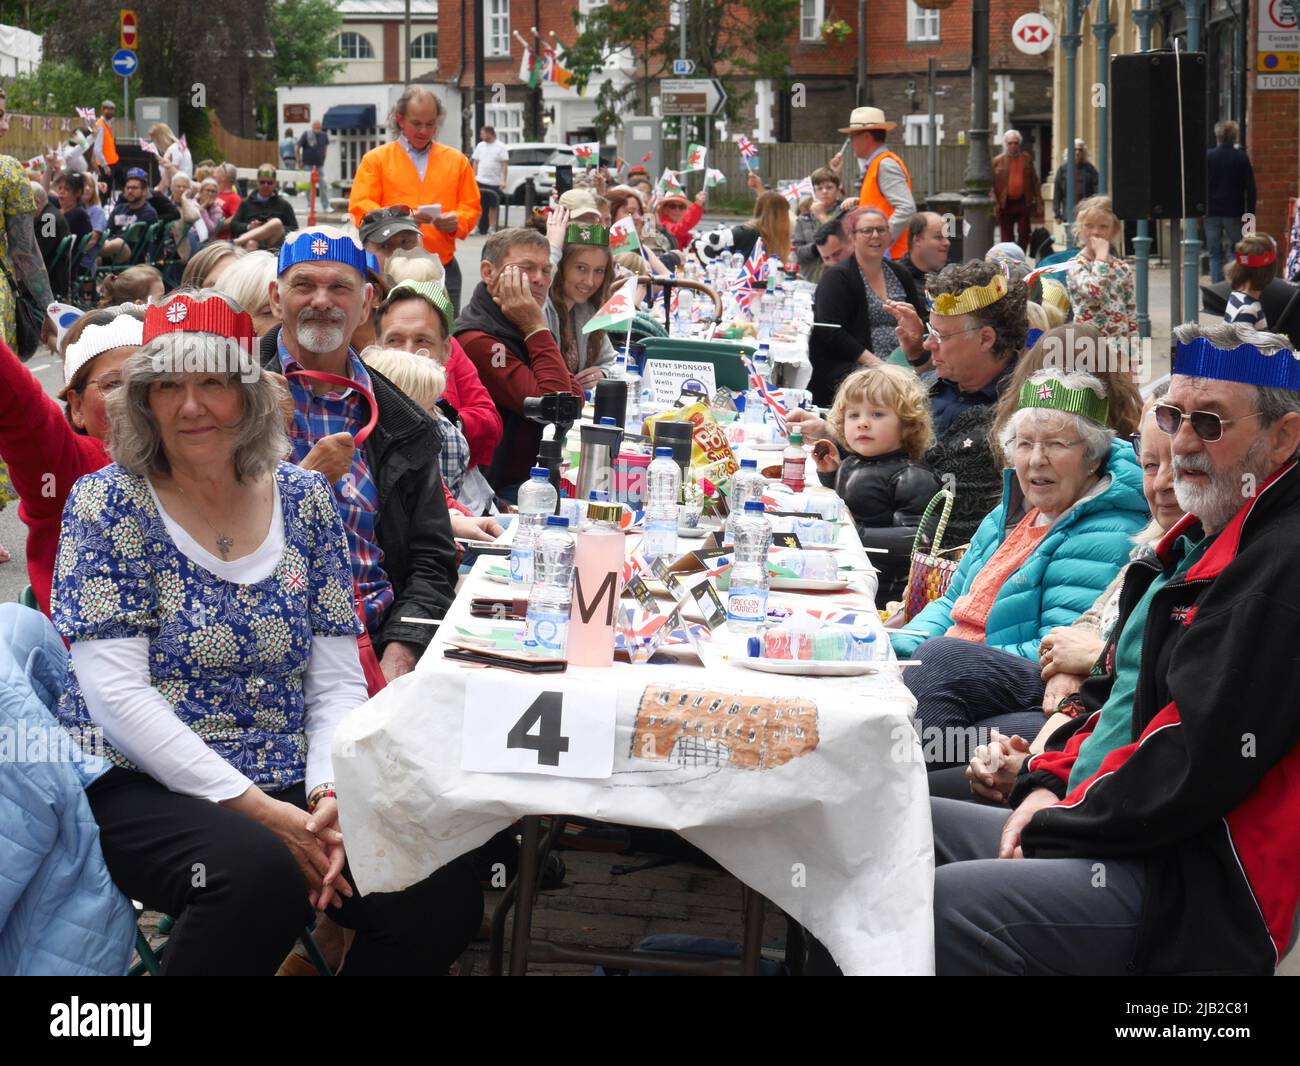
x=87, y=115
x=770, y=396
x=753, y=277
x=747, y=147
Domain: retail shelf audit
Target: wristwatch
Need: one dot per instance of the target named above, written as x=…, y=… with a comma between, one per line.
x=319, y=793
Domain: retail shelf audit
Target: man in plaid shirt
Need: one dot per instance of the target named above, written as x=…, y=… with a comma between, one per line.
x=391, y=499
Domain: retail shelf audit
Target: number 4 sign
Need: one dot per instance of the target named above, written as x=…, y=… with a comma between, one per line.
x=511, y=726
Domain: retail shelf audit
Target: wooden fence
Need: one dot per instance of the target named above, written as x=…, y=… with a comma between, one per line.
x=794, y=161
x=242, y=151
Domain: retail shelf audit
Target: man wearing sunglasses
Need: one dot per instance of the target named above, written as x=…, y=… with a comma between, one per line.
x=265, y=216
x=1180, y=792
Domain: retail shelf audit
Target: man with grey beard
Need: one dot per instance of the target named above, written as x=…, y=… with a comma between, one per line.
x=391, y=497
x=1157, y=832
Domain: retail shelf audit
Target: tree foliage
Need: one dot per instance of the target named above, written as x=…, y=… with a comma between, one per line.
x=302, y=34
x=61, y=87
x=745, y=38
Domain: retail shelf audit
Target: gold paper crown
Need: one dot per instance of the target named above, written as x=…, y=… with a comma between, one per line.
x=971, y=299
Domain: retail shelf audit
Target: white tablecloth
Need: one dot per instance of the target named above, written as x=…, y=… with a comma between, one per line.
x=828, y=817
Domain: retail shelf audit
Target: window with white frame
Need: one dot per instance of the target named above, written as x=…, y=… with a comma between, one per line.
x=922, y=23
x=916, y=129
x=351, y=45
x=353, y=144
x=812, y=13
x=497, y=20
x=507, y=120
x=425, y=46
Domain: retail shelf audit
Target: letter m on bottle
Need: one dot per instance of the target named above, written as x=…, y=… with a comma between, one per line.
x=607, y=594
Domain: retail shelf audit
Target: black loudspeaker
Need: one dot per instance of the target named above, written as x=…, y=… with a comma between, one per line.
x=1149, y=166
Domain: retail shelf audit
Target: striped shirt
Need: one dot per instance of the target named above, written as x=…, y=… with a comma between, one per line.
x=1246, y=309
x=356, y=495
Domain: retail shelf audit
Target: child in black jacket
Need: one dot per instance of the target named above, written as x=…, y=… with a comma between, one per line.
x=882, y=414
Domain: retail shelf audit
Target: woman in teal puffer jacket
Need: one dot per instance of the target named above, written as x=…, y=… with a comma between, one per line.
x=1070, y=505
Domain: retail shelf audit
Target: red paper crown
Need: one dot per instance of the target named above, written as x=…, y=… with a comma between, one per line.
x=1263, y=259
x=182, y=313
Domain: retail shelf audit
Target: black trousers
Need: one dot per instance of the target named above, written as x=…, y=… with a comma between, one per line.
x=451, y=281
x=240, y=900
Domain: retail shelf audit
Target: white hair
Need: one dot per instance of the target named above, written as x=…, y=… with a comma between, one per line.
x=1096, y=438
x=248, y=281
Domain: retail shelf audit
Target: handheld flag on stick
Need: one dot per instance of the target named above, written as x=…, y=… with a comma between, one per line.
x=148, y=146
x=587, y=153
x=770, y=401
x=87, y=115
x=618, y=309
x=713, y=178
x=668, y=182
x=748, y=152
x=695, y=154
x=623, y=236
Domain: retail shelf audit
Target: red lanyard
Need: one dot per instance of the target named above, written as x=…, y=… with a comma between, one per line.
x=346, y=383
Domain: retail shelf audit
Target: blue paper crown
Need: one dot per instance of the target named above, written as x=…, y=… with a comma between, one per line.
x=1244, y=363
x=311, y=247
x=1032, y=338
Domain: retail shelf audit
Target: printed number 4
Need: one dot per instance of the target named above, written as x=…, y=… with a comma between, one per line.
x=544, y=712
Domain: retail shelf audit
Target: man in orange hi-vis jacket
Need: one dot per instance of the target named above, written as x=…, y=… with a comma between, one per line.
x=105, y=147
x=417, y=172
x=886, y=184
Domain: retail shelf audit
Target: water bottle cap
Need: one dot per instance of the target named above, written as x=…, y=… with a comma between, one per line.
x=796, y=436
x=600, y=495
x=663, y=453
x=558, y=520
x=754, y=505
x=608, y=420
x=746, y=464
x=539, y=471
x=755, y=647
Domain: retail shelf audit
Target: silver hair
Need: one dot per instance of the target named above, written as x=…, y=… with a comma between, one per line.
x=1096, y=439
x=248, y=281
x=1274, y=403
x=1009, y=133
x=135, y=441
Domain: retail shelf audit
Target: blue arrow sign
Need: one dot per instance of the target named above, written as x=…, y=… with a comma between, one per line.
x=125, y=62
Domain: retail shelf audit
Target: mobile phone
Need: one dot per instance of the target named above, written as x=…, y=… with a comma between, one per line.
x=563, y=178
x=505, y=662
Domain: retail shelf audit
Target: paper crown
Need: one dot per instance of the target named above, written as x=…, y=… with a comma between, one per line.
x=431, y=291
x=309, y=247
x=1055, y=396
x=1244, y=363
x=125, y=331
x=1262, y=259
x=181, y=313
x=586, y=233
x=971, y=299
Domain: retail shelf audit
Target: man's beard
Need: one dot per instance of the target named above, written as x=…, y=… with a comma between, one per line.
x=1215, y=503
x=321, y=333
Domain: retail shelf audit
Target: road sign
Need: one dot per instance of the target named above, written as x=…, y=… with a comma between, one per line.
x=683, y=68
x=130, y=28
x=125, y=63
x=1033, y=33
x=691, y=96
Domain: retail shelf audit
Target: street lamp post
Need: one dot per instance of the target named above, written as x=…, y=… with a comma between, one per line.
x=1103, y=29
x=977, y=203
x=1070, y=41
x=1145, y=17
x=1191, y=243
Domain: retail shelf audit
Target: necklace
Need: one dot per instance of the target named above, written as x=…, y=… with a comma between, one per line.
x=224, y=543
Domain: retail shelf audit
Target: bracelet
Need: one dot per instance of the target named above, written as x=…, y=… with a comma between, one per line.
x=319, y=793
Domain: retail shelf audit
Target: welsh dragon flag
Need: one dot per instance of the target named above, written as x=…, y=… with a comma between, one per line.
x=620, y=309
x=668, y=182
x=531, y=68
x=623, y=237
x=587, y=153
x=713, y=178
x=695, y=154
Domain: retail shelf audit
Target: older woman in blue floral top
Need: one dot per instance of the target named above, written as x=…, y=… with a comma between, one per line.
x=205, y=590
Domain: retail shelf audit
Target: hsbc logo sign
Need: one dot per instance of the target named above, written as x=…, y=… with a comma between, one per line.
x=1033, y=34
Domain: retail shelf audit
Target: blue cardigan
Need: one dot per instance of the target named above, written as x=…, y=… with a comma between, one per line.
x=1067, y=570
x=60, y=912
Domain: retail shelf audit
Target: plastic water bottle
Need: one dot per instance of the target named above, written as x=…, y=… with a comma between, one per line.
x=763, y=362
x=766, y=311
x=537, y=500
x=663, y=490
x=748, y=583
x=794, y=462
x=746, y=484
x=551, y=597
x=632, y=420
x=618, y=370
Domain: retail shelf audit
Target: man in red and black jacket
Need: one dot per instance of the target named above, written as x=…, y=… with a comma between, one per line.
x=1160, y=833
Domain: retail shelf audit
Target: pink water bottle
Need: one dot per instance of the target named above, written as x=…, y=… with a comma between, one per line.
x=597, y=585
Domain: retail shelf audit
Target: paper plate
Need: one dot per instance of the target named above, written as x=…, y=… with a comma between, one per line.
x=803, y=584
x=807, y=667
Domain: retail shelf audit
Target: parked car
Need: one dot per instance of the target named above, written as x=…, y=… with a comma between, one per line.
x=536, y=160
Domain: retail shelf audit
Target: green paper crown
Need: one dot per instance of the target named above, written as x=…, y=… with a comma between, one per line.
x=587, y=233
x=432, y=292
x=1055, y=396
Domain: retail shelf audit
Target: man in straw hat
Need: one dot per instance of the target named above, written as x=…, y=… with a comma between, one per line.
x=886, y=184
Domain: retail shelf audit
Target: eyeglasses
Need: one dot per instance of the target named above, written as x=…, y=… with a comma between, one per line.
x=1053, y=449
x=106, y=383
x=868, y=231
x=1135, y=439
x=939, y=338
x=1205, y=424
